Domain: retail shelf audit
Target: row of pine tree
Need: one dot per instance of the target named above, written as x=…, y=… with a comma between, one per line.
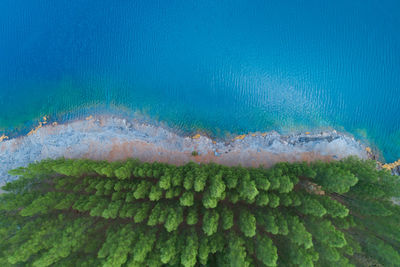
x=95, y=213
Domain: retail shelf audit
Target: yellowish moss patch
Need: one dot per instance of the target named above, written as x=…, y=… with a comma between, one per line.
x=390, y=166
x=240, y=137
x=36, y=128
x=197, y=136
x=3, y=137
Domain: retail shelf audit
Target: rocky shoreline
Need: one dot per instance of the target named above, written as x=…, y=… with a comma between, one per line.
x=112, y=138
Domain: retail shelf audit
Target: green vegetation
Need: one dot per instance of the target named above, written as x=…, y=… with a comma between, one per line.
x=195, y=153
x=94, y=213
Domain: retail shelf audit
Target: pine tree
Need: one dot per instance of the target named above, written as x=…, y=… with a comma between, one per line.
x=236, y=252
x=266, y=252
x=247, y=188
x=247, y=223
x=155, y=193
x=226, y=217
x=174, y=218
x=122, y=173
x=189, y=252
x=154, y=215
x=143, y=245
x=262, y=199
x=204, y=250
x=187, y=199
x=200, y=181
x=142, y=190
x=192, y=215
x=311, y=206
x=210, y=221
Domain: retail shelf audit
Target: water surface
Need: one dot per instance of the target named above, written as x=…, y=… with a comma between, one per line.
x=219, y=66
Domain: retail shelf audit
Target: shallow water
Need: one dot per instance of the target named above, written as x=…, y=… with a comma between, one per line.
x=218, y=66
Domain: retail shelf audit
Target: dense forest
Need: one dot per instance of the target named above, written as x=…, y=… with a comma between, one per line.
x=95, y=213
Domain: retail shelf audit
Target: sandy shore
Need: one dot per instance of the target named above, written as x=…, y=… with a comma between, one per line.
x=112, y=138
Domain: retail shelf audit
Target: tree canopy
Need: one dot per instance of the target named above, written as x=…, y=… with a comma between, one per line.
x=81, y=212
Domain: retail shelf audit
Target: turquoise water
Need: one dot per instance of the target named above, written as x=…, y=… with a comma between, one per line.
x=218, y=66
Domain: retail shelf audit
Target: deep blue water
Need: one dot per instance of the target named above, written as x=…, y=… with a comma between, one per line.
x=219, y=66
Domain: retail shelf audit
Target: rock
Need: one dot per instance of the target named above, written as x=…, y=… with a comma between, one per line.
x=396, y=171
